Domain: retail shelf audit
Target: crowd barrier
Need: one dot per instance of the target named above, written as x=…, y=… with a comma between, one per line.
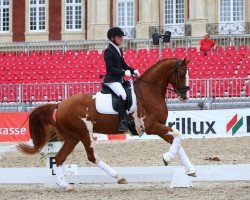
x=208, y=93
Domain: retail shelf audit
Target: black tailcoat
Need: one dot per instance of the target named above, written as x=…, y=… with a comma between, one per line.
x=115, y=65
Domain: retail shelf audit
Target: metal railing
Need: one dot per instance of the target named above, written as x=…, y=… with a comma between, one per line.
x=209, y=92
x=228, y=28
x=176, y=30
x=176, y=42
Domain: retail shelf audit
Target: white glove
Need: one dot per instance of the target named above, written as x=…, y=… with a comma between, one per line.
x=136, y=72
x=127, y=73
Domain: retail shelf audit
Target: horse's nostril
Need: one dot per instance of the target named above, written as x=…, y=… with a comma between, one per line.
x=184, y=97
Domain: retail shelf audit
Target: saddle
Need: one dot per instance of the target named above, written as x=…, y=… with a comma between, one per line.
x=107, y=102
x=127, y=87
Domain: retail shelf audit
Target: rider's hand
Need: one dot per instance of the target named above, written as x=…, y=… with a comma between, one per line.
x=136, y=72
x=127, y=73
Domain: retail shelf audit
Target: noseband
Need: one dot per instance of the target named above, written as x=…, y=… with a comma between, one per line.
x=179, y=90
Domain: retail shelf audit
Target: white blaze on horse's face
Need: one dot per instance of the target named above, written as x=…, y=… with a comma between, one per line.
x=187, y=84
x=184, y=94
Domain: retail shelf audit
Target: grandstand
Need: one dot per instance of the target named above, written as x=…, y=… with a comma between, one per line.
x=30, y=78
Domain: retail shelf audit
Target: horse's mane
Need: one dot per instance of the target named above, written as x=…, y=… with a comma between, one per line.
x=154, y=66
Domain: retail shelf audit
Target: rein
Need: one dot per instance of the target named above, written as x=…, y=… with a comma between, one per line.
x=178, y=90
x=150, y=83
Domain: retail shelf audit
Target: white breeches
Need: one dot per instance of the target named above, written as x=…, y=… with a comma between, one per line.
x=117, y=88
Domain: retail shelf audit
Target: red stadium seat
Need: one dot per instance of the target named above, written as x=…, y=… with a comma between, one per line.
x=34, y=54
x=69, y=52
x=10, y=54
x=167, y=55
x=154, y=51
x=93, y=52
x=57, y=53
x=166, y=50
x=82, y=52
x=242, y=49
x=191, y=50
x=45, y=53
x=142, y=51
x=242, y=73
x=130, y=52
x=214, y=73
x=179, y=50
x=230, y=50
x=218, y=50
x=227, y=73
x=21, y=53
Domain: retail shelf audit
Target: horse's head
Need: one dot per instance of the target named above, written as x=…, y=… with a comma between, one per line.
x=170, y=70
x=179, y=78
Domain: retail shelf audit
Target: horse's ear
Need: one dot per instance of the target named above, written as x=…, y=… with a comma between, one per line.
x=185, y=61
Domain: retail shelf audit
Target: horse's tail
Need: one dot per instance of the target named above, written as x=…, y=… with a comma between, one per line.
x=41, y=122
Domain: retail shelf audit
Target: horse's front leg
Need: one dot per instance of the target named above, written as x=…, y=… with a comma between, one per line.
x=174, y=138
x=176, y=148
x=169, y=135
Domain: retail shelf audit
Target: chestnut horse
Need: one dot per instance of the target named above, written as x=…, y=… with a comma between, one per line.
x=77, y=118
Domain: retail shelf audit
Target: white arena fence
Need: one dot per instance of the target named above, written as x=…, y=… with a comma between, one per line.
x=204, y=94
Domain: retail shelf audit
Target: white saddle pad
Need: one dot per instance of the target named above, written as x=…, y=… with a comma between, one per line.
x=103, y=102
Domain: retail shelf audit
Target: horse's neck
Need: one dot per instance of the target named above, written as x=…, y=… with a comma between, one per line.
x=157, y=80
x=150, y=90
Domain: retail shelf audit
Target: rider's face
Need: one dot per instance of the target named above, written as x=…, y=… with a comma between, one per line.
x=118, y=39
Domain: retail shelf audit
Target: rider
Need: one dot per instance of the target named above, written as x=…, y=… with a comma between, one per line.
x=116, y=69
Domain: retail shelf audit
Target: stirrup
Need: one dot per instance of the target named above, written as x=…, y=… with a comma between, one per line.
x=123, y=126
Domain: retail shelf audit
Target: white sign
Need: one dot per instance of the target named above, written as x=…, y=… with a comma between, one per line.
x=211, y=123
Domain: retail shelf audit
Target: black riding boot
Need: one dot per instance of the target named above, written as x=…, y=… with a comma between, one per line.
x=121, y=113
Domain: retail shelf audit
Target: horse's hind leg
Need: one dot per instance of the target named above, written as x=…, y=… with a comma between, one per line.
x=176, y=148
x=88, y=142
x=67, y=148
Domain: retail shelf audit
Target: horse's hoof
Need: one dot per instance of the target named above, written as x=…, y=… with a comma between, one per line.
x=167, y=157
x=65, y=187
x=122, y=181
x=165, y=162
x=192, y=174
x=69, y=188
x=190, y=171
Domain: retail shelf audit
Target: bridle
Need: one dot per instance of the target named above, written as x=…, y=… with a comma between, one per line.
x=178, y=90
